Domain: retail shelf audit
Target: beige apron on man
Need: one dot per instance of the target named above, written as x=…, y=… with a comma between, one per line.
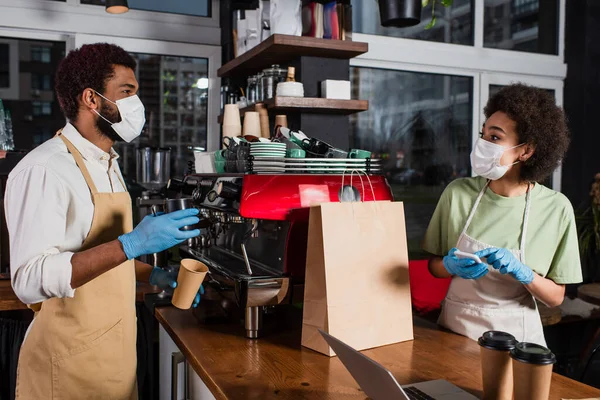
x=494, y=302
x=85, y=347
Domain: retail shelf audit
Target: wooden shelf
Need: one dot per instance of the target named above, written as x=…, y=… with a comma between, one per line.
x=279, y=49
x=310, y=105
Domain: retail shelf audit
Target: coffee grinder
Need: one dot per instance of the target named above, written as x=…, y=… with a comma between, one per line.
x=153, y=170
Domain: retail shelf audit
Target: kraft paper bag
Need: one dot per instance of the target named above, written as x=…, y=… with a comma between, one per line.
x=357, y=283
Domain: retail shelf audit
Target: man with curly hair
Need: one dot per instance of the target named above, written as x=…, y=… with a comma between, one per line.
x=72, y=242
x=522, y=233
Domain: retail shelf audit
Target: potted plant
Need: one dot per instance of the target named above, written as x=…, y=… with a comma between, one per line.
x=445, y=3
x=588, y=225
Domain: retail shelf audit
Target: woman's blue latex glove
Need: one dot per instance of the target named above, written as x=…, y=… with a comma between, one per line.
x=167, y=281
x=464, y=267
x=161, y=232
x=505, y=261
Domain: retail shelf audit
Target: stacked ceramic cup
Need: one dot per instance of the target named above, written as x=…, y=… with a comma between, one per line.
x=232, y=126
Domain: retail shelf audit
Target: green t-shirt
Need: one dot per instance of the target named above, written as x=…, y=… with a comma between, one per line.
x=551, y=244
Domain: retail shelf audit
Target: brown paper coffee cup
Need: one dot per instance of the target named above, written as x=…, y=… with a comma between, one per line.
x=190, y=277
x=532, y=382
x=497, y=372
x=252, y=124
x=281, y=120
x=532, y=371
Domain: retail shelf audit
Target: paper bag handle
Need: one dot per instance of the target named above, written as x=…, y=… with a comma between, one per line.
x=358, y=172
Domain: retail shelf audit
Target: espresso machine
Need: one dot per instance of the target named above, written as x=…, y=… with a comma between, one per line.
x=153, y=170
x=254, y=231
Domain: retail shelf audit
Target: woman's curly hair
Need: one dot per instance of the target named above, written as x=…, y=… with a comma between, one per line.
x=90, y=66
x=539, y=122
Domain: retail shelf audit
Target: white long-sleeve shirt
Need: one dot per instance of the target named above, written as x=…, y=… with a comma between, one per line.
x=49, y=213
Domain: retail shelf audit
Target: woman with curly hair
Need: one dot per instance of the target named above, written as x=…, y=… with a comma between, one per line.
x=523, y=233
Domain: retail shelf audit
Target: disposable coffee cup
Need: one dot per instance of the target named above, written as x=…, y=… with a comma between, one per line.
x=190, y=277
x=231, y=115
x=496, y=365
x=252, y=124
x=532, y=370
x=232, y=130
x=281, y=120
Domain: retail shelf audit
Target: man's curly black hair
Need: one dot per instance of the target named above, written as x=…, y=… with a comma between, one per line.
x=539, y=122
x=90, y=66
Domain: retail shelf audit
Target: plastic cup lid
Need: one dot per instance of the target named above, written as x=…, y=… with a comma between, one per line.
x=497, y=340
x=532, y=353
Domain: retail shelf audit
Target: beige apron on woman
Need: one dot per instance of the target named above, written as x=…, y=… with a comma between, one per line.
x=84, y=347
x=494, y=302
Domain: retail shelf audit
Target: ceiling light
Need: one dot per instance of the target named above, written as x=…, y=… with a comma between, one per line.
x=116, y=6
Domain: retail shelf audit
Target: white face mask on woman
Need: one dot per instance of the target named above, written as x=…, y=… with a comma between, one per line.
x=133, y=117
x=485, y=159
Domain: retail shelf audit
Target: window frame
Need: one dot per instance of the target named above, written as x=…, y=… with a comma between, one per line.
x=155, y=32
x=12, y=91
x=485, y=65
x=505, y=79
x=73, y=17
x=211, y=53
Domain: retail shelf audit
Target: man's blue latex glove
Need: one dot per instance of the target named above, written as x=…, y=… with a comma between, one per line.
x=464, y=267
x=167, y=281
x=157, y=233
x=505, y=261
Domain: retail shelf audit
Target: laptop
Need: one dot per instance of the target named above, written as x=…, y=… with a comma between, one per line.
x=379, y=384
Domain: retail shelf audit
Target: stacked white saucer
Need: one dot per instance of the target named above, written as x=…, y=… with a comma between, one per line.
x=268, y=150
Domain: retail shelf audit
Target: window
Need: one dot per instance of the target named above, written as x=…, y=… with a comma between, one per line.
x=33, y=105
x=198, y=8
x=421, y=126
x=454, y=24
x=4, y=65
x=176, y=105
x=41, y=108
x=41, y=81
x=40, y=54
x=523, y=25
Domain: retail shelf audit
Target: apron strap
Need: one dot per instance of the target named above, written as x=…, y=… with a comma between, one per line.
x=79, y=160
x=525, y=220
x=474, y=208
x=525, y=216
x=121, y=180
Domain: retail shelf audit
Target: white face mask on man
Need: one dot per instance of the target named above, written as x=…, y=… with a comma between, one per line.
x=133, y=117
x=485, y=159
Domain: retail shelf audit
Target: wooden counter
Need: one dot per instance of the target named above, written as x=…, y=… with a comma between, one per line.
x=277, y=366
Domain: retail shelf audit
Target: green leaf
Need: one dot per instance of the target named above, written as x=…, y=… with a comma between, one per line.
x=431, y=23
x=447, y=3
x=425, y=3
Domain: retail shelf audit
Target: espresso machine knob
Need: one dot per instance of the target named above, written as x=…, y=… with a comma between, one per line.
x=179, y=186
x=227, y=190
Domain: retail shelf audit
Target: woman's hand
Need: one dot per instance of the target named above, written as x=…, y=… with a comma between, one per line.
x=545, y=290
x=464, y=267
x=506, y=263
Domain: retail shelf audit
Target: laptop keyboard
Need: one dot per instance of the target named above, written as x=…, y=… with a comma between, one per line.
x=415, y=394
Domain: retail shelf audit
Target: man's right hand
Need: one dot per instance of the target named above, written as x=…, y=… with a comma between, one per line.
x=157, y=233
x=466, y=268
